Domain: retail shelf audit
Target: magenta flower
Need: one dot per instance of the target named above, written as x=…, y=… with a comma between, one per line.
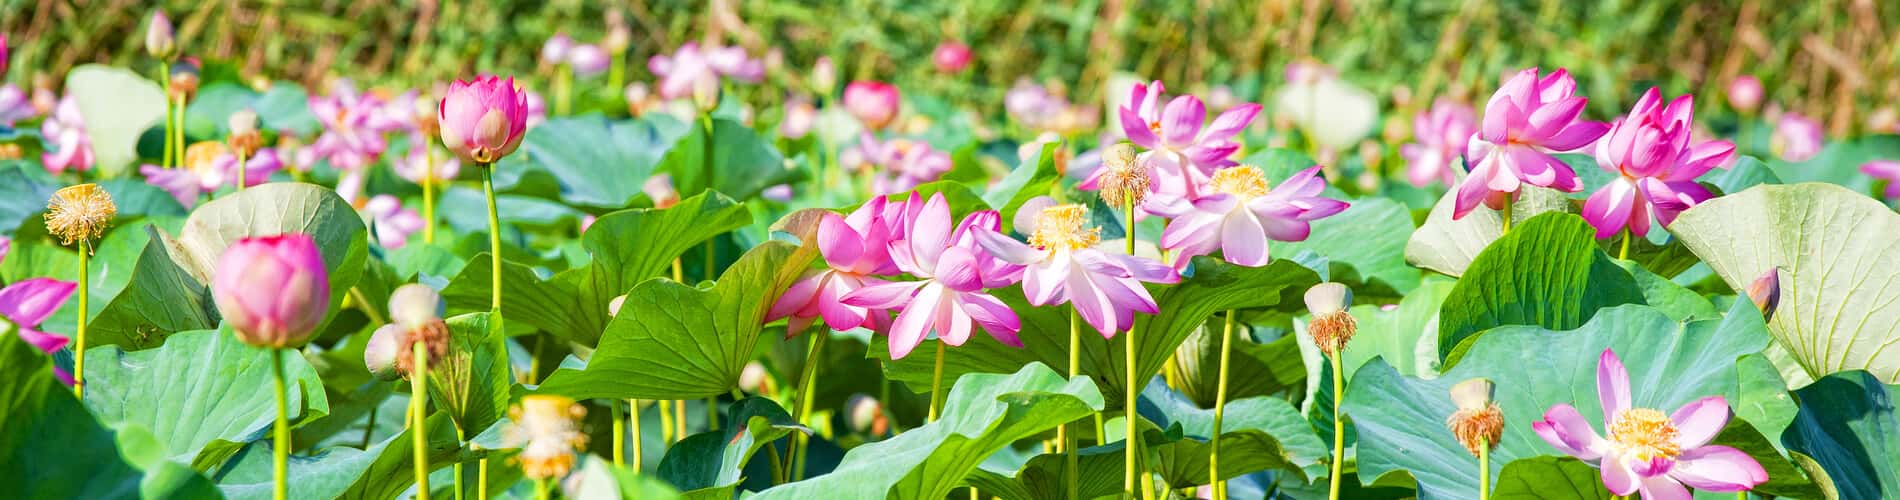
x=1063, y=265
x=1656, y=165
x=1526, y=120
x=391, y=222
x=900, y=164
x=588, y=60
x=951, y=56
x=15, y=105
x=353, y=127
x=1887, y=170
x=854, y=247
x=483, y=120
x=272, y=290
x=194, y=179
x=69, y=147
x=691, y=69
x=1744, y=92
x=873, y=103
x=955, y=273
x=27, y=303
x=1646, y=450
x=1238, y=214
x=1797, y=138
x=1186, y=152
x=1441, y=135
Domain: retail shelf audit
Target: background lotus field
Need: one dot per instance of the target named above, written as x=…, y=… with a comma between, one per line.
x=990, y=249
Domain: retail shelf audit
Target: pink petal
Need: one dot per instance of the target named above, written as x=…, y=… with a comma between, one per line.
x=1047, y=283
x=29, y=302
x=1008, y=249
x=1145, y=269
x=1576, y=136
x=1613, y=385
x=839, y=242
x=953, y=325
x=1701, y=158
x=1194, y=227
x=1243, y=241
x=914, y=322
x=837, y=314
x=1609, y=208
x=1664, y=488
x=1181, y=120
x=1719, y=469
x=1231, y=122
x=1618, y=477
x=930, y=231
x=1473, y=191
x=1566, y=430
x=798, y=297
x=888, y=295
x=957, y=269
x=1541, y=169
x=1699, y=421
x=1137, y=129
x=45, y=342
x=1026, y=215
x=1551, y=118
x=995, y=317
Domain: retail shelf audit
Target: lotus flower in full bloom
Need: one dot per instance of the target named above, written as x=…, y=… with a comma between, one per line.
x=955, y=272
x=1656, y=166
x=1887, y=170
x=273, y=290
x=209, y=166
x=392, y=223
x=854, y=248
x=1184, y=152
x=692, y=69
x=1526, y=120
x=69, y=147
x=951, y=56
x=28, y=302
x=1441, y=134
x=1063, y=265
x=1797, y=138
x=1238, y=214
x=484, y=119
x=899, y=164
x=874, y=104
x=1649, y=451
x=353, y=127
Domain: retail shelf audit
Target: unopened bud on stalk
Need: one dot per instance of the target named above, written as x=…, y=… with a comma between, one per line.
x=1125, y=180
x=1478, y=424
x=184, y=82
x=824, y=76
x=159, y=40
x=1765, y=292
x=244, y=136
x=1332, y=326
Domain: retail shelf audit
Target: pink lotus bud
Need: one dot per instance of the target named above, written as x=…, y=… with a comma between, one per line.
x=873, y=103
x=824, y=76
x=1765, y=292
x=414, y=305
x=951, y=56
x=555, y=51
x=272, y=290
x=158, y=37
x=1744, y=93
x=483, y=120
x=385, y=346
x=588, y=60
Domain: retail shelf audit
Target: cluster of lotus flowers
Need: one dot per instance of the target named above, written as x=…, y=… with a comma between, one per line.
x=901, y=264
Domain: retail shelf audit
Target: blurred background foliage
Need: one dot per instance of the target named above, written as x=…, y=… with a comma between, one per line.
x=1832, y=59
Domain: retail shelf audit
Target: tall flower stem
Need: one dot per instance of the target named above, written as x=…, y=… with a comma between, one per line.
x=706, y=172
x=1071, y=473
x=79, y=335
x=1220, y=408
x=808, y=384
x=620, y=431
x=563, y=89
x=617, y=71
x=1484, y=469
x=281, y=437
x=679, y=418
x=494, y=235
x=633, y=420
x=1624, y=254
x=241, y=171
x=541, y=489
x=165, y=77
x=666, y=421
x=936, y=384
x=428, y=194
x=1506, y=214
x=1129, y=417
x=178, y=128
x=418, y=409
x=460, y=438
x=1339, y=428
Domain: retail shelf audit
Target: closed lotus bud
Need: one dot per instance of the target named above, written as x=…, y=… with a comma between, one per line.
x=1478, y=424
x=619, y=36
x=555, y=51
x=245, y=138
x=159, y=40
x=273, y=291
x=483, y=120
x=872, y=103
x=705, y=94
x=414, y=305
x=1125, y=180
x=824, y=76
x=79, y=212
x=384, y=350
x=547, y=429
x=951, y=56
x=1744, y=93
x=1332, y=326
x=1765, y=292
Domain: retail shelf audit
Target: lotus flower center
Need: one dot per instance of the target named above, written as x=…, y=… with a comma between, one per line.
x=1645, y=434
x=1242, y=181
x=1064, y=227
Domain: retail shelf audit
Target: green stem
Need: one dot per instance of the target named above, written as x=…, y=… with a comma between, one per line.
x=1339, y=428
x=1220, y=409
x=481, y=478
x=494, y=233
x=617, y=72
x=666, y=421
x=563, y=89
x=1129, y=417
x=418, y=409
x=808, y=383
x=706, y=172
x=620, y=431
x=1506, y=213
x=541, y=489
x=712, y=411
x=281, y=457
x=79, y=335
x=1624, y=254
x=461, y=439
x=778, y=465
x=428, y=193
x=369, y=429
x=1484, y=469
x=178, y=131
x=633, y=420
x=166, y=78
x=936, y=384
x=1071, y=473
x=241, y=173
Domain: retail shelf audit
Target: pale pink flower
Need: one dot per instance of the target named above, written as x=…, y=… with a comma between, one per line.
x=1063, y=265
x=875, y=104
x=15, y=106
x=391, y=222
x=1797, y=138
x=955, y=273
x=1887, y=170
x=1238, y=214
x=951, y=56
x=68, y=145
x=414, y=165
x=690, y=68
x=1744, y=93
x=353, y=127
x=1526, y=120
x=1184, y=151
x=483, y=119
x=192, y=180
x=854, y=247
x=1439, y=136
x=900, y=165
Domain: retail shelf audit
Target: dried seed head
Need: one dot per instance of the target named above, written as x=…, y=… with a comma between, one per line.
x=1478, y=423
x=434, y=336
x=245, y=138
x=547, y=429
x=1125, y=180
x=1333, y=325
x=79, y=212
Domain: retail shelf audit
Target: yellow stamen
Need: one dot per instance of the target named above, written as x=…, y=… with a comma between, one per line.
x=1644, y=434
x=1064, y=227
x=79, y=212
x=1242, y=181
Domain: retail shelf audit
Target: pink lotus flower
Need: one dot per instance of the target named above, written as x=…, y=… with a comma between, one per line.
x=1744, y=93
x=556, y=49
x=353, y=127
x=691, y=69
x=874, y=104
x=391, y=222
x=589, y=60
x=1238, y=214
x=194, y=179
x=1184, y=152
x=1063, y=265
x=1526, y=120
x=483, y=120
x=1649, y=150
x=27, y=303
x=1797, y=138
x=273, y=291
x=955, y=273
x=1649, y=451
x=900, y=164
x=799, y=117
x=951, y=56
x=414, y=165
x=1887, y=170
x=854, y=247
x=15, y=105
x=1441, y=135
x=69, y=147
